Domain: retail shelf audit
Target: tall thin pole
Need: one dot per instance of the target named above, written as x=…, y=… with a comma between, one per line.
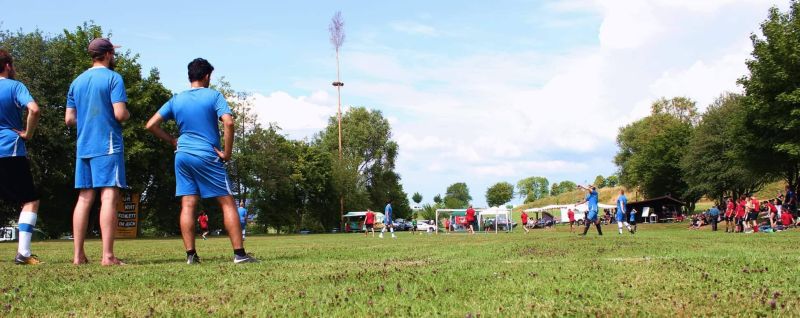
x=339, y=85
x=336, y=28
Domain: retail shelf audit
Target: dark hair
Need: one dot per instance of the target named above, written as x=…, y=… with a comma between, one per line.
x=199, y=68
x=98, y=56
x=5, y=58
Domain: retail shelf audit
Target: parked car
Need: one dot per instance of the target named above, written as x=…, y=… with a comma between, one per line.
x=425, y=225
x=402, y=225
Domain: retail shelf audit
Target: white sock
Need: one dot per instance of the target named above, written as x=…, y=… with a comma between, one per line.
x=383, y=230
x=391, y=230
x=27, y=221
x=619, y=225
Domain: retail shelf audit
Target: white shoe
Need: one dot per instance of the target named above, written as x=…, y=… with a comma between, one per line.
x=380, y=236
x=393, y=236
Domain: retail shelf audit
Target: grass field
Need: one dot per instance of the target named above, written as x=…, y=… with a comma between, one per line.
x=664, y=270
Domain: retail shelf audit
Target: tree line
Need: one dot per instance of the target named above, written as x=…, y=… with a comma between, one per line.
x=289, y=184
x=741, y=142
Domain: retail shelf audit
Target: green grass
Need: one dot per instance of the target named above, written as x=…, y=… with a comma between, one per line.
x=664, y=270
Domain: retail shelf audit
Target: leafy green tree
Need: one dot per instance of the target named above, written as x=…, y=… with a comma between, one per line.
x=499, y=193
x=457, y=196
x=612, y=181
x=600, y=182
x=714, y=164
x=533, y=188
x=562, y=187
x=554, y=189
x=650, y=153
x=682, y=108
x=367, y=169
x=438, y=199
x=772, y=97
x=428, y=212
x=417, y=198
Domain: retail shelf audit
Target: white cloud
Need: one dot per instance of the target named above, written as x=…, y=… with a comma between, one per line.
x=628, y=24
x=298, y=116
x=414, y=28
x=704, y=80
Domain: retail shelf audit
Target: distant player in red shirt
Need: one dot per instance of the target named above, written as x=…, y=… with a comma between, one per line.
x=203, y=220
x=369, y=223
x=753, y=215
x=571, y=216
x=773, y=213
x=524, y=217
x=740, y=214
x=729, y=208
x=786, y=219
x=470, y=219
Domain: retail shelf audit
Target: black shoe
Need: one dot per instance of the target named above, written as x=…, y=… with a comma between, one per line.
x=192, y=259
x=244, y=259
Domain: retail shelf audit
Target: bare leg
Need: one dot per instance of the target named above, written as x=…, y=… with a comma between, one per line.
x=109, y=198
x=231, y=220
x=31, y=206
x=80, y=221
x=188, y=205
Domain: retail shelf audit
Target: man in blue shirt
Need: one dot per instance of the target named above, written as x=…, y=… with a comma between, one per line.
x=199, y=162
x=790, y=201
x=387, y=219
x=591, y=216
x=96, y=103
x=16, y=181
x=622, y=205
x=242, y=219
x=713, y=216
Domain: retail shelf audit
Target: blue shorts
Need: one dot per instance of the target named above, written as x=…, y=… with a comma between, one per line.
x=387, y=220
x=592, y=216
x=100, y=172
x=195, y=175
x=620, y=217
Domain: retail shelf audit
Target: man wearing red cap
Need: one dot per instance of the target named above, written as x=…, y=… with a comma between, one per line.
x=96, y=104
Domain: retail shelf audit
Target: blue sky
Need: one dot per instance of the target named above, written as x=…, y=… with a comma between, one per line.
x=477, y=92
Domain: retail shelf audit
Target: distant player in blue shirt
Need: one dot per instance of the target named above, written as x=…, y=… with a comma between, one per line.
x=96, y=103
x=622, y=208
x=242, y=218
x=199, y=162
x=387, y=219
x=591, y=216
x=16, y=181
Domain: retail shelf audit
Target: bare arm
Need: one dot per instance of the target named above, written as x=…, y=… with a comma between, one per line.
x=70, y=117
x=154, y=126
x=121, y=112
x=227, y=124
x=32, y=122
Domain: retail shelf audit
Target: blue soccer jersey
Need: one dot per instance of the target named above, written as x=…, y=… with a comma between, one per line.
x=622, y=203
x=93, y=94
x=591, y=198
x=387, y=214
x=14, y=96
x=197, y=112
x=242, y=215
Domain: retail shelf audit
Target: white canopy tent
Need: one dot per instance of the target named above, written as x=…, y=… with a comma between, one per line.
x=576, y=208
x=356, y=218
x=501, y=215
